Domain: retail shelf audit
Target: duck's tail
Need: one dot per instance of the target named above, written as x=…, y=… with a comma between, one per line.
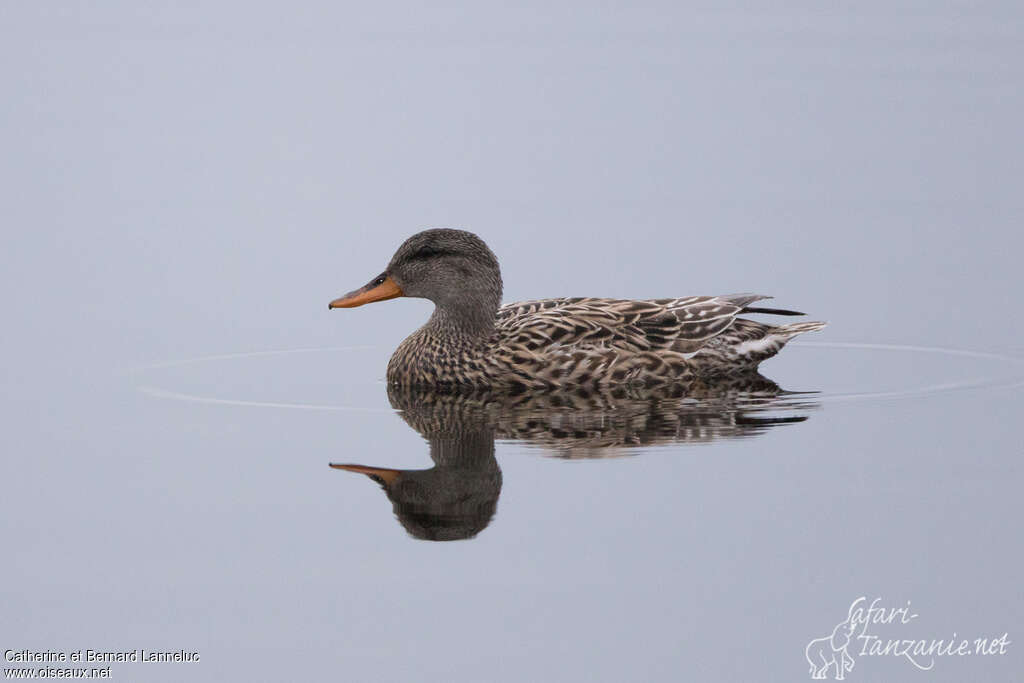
x=793, y=329
x=770, y=311
x=746, y=299
x=745, y=344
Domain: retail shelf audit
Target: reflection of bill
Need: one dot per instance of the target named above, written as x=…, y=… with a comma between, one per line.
x=456, y=498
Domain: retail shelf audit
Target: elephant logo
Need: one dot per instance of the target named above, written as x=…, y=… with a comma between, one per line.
x=830, y=651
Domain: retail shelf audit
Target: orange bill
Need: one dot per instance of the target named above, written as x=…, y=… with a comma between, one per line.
x=382, y=474
x=380, y=289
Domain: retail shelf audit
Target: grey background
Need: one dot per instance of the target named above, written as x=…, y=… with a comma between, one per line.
x=202, y=178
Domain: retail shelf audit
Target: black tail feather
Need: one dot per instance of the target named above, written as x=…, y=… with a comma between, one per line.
x=771, y=311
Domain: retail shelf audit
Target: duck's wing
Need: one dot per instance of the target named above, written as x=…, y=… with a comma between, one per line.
x=682, y=325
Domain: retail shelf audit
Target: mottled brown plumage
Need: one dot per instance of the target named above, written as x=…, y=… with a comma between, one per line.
x=472, y=341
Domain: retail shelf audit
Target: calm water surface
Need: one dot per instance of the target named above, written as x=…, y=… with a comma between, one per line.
x=659, y=525
x=186, y=188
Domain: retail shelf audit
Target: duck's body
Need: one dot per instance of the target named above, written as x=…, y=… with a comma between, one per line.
x=472, y=341
x=579, y=341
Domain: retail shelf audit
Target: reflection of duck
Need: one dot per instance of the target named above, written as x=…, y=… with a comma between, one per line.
x=457, y=497
x=454, y=499
x=471, y=340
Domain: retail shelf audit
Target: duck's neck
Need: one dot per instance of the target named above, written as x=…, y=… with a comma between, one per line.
x=448, y=349
x=462, y=321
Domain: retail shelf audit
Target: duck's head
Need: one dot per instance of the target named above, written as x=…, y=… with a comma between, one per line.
x=452, y=268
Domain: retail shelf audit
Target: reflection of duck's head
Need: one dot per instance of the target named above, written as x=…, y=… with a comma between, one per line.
x=457, y=497
x=441, y=503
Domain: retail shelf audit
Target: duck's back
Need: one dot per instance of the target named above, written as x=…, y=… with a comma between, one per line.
x=682, y=324
x=581, y=340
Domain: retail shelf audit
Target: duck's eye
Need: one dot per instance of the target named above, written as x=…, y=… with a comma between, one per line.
x=379, y=280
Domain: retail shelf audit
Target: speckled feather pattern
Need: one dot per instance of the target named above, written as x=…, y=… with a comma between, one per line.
x=473, y=341
x=589, y=341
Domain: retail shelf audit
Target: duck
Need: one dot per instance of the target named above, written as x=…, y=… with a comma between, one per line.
x=473, y=341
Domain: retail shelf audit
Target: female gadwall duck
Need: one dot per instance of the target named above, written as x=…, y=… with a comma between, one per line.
x=471, y=340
